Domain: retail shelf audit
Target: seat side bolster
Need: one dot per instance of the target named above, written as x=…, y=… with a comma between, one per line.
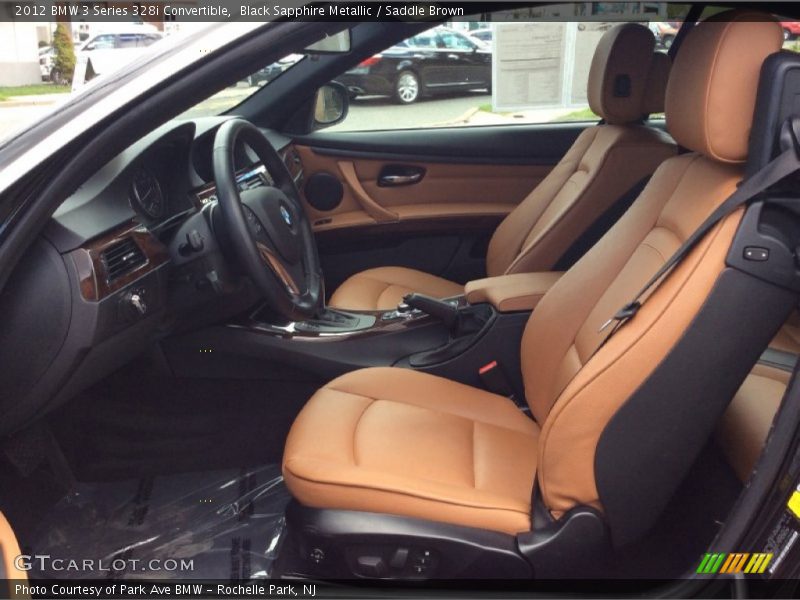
x=618, y=161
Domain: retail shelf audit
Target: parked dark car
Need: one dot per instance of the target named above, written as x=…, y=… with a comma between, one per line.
x=271, y=71
x=484, y=35
x=665, y=32
x=436, y=61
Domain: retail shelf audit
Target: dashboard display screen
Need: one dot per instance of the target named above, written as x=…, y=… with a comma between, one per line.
x=245, y=180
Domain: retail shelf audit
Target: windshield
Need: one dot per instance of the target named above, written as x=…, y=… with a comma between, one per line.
x=233, y=95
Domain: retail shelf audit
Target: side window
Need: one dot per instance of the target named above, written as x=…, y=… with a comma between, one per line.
x=423, y=40
x=525, y=72
x=103, y=42
x=455, y=41
x=128, y=40
x=514, y=70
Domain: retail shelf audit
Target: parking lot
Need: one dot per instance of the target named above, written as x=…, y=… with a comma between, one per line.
x=375, y=112
x=366, y=113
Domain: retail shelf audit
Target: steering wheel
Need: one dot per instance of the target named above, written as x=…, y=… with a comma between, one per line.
x=267, y=226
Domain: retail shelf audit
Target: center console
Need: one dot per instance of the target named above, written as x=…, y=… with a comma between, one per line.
x=454, y=338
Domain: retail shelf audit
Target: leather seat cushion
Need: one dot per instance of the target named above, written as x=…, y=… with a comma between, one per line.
x=403, y=442
x=383, y=288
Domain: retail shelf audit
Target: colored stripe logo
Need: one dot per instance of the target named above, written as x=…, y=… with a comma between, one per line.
x=734, y=562
x=794, y=503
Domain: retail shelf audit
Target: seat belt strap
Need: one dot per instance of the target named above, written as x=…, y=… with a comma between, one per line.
x=782, y=166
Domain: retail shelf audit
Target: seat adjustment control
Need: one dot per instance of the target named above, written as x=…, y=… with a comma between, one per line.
x=371, y=566
x=399, y=559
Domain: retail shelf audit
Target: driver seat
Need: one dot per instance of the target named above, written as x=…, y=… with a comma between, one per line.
x=616, y=425
x=606, y=162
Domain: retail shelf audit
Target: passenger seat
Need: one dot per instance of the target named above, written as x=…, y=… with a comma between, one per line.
x=627, y=82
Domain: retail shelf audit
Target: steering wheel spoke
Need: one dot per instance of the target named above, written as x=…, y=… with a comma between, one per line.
x=278, y=268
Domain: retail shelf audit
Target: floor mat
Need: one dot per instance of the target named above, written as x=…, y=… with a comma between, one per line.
x=224, y=525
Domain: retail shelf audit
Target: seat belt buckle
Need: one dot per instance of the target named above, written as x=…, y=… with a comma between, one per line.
x=624, y=314
x=495, y=380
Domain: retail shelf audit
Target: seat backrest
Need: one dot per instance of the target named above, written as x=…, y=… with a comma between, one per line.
x=626, y=82
x=576, y=391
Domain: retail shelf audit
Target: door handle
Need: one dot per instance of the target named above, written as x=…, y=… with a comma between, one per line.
x=392, y=180
x=397, y=175
x=453, y=56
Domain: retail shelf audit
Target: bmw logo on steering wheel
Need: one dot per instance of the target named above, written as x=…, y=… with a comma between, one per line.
x=287, y=218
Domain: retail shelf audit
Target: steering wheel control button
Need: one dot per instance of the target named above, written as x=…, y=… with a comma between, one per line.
x=756, y=253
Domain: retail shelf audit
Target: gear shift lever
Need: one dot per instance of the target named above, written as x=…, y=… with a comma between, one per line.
x=438, y=309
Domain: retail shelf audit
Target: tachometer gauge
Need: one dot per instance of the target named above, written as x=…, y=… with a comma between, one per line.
x=146, y=194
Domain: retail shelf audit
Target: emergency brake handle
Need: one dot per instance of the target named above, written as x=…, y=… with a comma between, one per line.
x=439, y=309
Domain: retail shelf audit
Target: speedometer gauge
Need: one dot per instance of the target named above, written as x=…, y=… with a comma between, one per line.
x=146, y=194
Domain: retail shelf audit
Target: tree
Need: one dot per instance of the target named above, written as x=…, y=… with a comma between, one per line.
x=64, y=59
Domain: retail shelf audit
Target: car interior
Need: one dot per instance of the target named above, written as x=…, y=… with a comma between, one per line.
x=281, y=351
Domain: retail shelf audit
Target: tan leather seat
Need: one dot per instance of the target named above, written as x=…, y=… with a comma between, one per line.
x=394, y=441
x=603, y=164
x=9, y=551
x=397, y=441
x=788, y=338
x=745, y=426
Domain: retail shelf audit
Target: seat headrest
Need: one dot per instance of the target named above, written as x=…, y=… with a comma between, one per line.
x=655, y=90
x=712, y=89
x=619, y=71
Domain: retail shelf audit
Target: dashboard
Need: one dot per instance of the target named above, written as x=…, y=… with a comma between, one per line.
x=157, y=181
x=130, y=256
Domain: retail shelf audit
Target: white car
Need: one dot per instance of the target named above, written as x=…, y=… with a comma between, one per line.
x=106, y=52
x=46, y=56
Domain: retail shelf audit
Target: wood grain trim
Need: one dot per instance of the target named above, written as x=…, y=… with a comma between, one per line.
x=269, y=257
x=91, y=271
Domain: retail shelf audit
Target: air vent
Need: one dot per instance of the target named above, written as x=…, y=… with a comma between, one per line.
x=121, y=258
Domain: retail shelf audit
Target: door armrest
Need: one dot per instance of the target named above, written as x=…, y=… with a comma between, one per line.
x=512, y=293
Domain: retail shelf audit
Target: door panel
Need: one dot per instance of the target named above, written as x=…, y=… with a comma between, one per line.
x=471, y=178
x=445, y=191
